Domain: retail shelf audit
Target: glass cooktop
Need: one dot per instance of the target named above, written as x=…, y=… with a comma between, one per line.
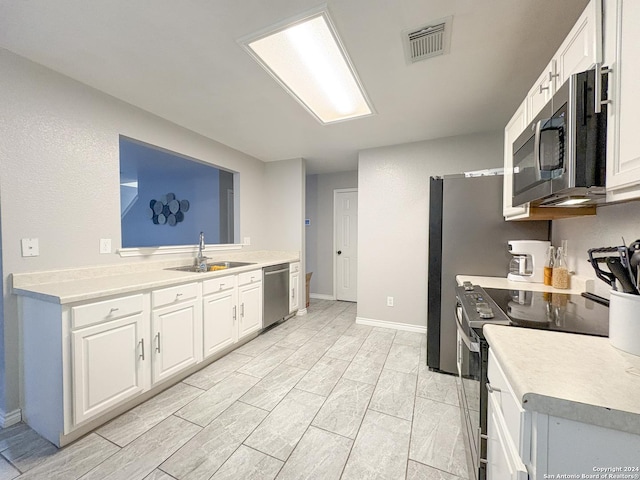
x=552, y=311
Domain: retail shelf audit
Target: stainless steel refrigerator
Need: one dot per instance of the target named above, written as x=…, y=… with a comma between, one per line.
x=467, y=235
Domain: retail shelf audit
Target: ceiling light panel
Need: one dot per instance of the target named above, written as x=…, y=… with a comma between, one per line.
x=307, y=59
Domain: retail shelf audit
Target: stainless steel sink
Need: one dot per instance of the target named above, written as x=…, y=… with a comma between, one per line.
x=222, y=265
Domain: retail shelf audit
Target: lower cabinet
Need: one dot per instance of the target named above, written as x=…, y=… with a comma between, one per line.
x=82, y=361
x=176, y=334
x=503, y=458
x=294, y=287
x=523, y=444
x=107, y=365
x=176, y=329
x=219, y=314
x=250, y=306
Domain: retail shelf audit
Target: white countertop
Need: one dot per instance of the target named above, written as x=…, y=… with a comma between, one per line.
x=75, y=285
x=578, y=284
x=578, y=377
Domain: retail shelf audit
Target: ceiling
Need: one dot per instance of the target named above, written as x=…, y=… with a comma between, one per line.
x=181, y=61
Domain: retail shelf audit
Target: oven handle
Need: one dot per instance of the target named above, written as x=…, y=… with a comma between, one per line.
x=472, y=346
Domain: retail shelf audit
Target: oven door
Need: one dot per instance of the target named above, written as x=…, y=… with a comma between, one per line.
x=469, y=371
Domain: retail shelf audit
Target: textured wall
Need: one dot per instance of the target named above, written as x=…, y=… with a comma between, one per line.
x=59, y=179
x=320, y=256
x=606, y=229
x=393, y=200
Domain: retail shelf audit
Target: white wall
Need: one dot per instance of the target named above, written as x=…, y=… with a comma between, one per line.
x=59, y=181
x=284, y=195
x=393, y=198
x=606, y=229
x=319, y=241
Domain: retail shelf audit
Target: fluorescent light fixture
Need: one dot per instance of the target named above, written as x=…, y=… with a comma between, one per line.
x=572, y=201
x=307, y=58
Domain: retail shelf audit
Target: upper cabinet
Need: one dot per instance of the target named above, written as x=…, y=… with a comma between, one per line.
x=514, y=128
x=582, y=48
x=580, y=51
x=622, y=55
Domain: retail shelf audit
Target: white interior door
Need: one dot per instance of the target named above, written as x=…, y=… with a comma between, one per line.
x=346, y=243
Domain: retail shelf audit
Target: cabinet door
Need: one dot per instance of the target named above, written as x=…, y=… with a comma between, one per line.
x=107, y=362
x=623, y=121
x=294, y=292
x=503, y=461
x=514, y=128
x=220, y=328
x=542, y=91
x=582, y=48
x=250, y=306
x=176, y=333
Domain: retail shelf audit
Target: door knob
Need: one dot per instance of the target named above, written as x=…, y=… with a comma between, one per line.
x=339, y=252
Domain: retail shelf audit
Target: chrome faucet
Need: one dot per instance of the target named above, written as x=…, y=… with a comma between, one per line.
x=201, y=259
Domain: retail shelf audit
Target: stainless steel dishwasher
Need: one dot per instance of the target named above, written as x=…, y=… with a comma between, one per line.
x=275, y=282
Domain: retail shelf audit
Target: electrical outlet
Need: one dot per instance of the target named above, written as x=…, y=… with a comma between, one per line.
x=105, y=245
x=30, y=247
x=389, y=301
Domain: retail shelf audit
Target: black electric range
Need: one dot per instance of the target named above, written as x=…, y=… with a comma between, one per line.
x=561, y=312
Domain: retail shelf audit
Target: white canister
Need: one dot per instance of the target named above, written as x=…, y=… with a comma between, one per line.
x=624, y=322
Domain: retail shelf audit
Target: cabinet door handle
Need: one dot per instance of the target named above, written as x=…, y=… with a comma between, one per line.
x=142, y=345
x=113, y=310
x=221, y=285
x=543, y=88
x=491, y=389
x=158, y=342
x=178, y=295
x=234, y=313
x=597, y=87
x=293, y=293
x=242, y=309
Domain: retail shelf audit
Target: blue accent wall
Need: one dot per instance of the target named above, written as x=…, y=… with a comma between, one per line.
x=154, y=172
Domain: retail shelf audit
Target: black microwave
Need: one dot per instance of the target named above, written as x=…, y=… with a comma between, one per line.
x=560, y=159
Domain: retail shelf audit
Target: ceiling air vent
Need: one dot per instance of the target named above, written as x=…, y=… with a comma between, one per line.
x=428, y=41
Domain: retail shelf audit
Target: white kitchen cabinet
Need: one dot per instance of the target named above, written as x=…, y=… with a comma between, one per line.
x=580, y=51
x=542, y=91
x=219, y=314
x=176, y=329
x=622, y=54
x=582, y=48
x=503, y=459
x=525, y=444
x=249, y=302
x=294, y=287
x=514, y=128
x=107, y=364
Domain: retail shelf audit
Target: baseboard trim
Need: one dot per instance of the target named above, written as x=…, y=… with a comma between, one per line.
x=321, y=296
x=396, y=325
x=11, y=418
x=301, y=312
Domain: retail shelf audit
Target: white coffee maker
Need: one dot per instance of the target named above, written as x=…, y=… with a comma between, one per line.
x=527, y=264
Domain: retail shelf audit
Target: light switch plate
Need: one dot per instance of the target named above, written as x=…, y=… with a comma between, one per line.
x=105, y=245
x=30, y=247
x=247, y=240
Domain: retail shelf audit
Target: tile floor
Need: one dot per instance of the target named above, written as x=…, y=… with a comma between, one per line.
x=318, y=396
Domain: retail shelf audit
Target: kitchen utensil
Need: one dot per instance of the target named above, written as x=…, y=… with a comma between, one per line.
x=622, y=275
x=634, y=261
x=600, y=255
